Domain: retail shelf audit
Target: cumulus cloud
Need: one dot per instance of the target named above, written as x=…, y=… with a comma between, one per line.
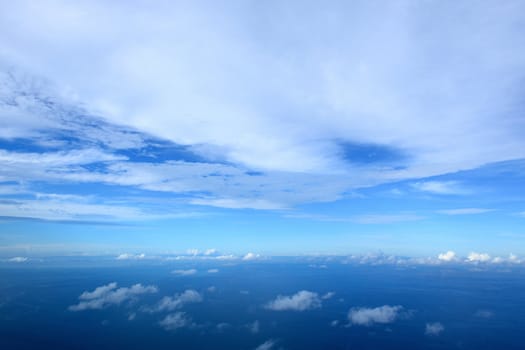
x=434, y=329
x=368, y=316
x=178, y=300
x=188, y=272
x=301, y=301
x=176, y=321
x=251, y=256
x=478, y=257
x=267, y=345
x=109, y=295
x=448, y=256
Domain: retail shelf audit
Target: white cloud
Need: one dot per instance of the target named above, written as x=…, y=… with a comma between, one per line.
x=251, y=256
x=247, y=80
x=440, y=187
x=448, y=256
x=18, y=259
x=478, y=257
x=175, y=321
x=108, y=295
x=188, y=272
x=213, y=270
x=267, y=345
x=178, y=300
x=127, y=256
x=434, y=329
x=301, y=301
x=465, y=211
x=367, y=316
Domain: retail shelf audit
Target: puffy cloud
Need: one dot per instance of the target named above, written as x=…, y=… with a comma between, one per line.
x=18, y=259
x=175, y=321
x=108, y=295
x=126, y=256
x=448, y=256
x=178, y=300
x=301, y=301
x=434, y=329
x=251, y=256
x=188, y=272
x=478, y=257
x=267, y=345
x=367, y=316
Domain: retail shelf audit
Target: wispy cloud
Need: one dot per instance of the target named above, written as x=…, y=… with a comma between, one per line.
x=440, y=187
x=267, y=345
x=465, y=211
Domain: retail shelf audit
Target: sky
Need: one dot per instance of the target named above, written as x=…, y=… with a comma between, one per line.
x=278, y=128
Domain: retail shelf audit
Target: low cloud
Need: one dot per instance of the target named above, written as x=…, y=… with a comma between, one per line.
x=178, y=300
x=254, y=327
x=328, y=295
x=108, y=295
x=18, y=259
x=251, y=256
x=267, y=345
x=434, y=329
x=478, y=257
x=126, y=256
x=484, y=314
x=448, y=256
x=184, y=272
x=176, y=321
x=367, y=316
x=301, y=301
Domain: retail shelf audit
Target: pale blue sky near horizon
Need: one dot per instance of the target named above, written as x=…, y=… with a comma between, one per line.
x=281, y=128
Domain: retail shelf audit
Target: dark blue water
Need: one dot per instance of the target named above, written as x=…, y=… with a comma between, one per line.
x=478, y=309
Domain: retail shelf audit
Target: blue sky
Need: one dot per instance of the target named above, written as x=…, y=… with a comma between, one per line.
x=270, y=127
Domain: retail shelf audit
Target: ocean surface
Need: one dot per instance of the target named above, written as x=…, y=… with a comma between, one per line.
x=436, y=307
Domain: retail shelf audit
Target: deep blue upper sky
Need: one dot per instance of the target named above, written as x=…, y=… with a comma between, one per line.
x=272, y=127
